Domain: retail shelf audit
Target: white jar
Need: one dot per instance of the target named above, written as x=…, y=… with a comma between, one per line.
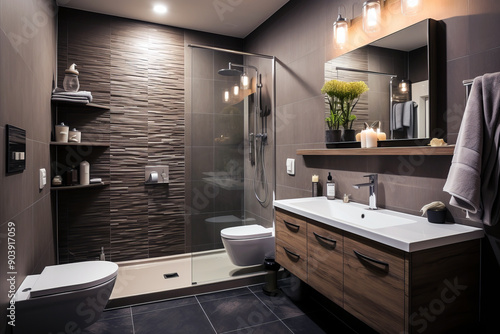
x=75, y=136
x=61, y=133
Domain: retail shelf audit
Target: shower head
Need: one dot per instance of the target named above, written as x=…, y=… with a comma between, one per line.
x=229, y=72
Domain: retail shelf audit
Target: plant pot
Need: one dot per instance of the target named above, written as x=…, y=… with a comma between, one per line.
x=333, y=136
x=349, y=135
x=436, y=216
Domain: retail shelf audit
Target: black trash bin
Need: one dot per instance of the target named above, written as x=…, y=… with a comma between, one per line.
x=270, y=288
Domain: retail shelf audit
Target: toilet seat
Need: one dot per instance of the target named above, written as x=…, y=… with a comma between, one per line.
x=246, y=232
x=72, y=276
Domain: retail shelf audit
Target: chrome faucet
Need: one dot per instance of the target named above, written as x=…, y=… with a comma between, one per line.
x=373, y=184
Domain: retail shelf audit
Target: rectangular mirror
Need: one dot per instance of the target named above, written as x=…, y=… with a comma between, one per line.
x=401, y=73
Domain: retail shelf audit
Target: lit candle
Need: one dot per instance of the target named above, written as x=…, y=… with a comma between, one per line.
x=358, y=136
x=315, y=178
x=381, y=135
x=371, y=138
x=363, y=138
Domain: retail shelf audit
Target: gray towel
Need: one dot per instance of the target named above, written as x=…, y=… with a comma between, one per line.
x=397, y=110
x=475, y=169
x=408, y=112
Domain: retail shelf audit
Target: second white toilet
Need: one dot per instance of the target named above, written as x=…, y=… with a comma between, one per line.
x=64, y=298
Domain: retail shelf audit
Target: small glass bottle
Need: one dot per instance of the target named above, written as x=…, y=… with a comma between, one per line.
x=330, y=187
x=71, y=83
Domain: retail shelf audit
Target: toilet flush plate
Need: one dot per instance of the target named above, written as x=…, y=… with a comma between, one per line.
x=156, y=175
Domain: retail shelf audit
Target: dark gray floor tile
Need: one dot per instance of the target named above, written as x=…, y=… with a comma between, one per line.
x=317, y=323
x=167, y=304
x=121, y=325
x=276, y=327
x=223, y=294
x=116, y=313
x=283, y=307
x=235, y=313
x=186, y=319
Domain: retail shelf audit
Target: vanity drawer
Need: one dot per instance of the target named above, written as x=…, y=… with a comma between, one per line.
x=374, y=286
x=292, y=258
x=292, y=230
x=325, y=271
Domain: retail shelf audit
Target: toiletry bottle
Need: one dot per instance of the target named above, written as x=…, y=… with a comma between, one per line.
x=330, y=187
x=84, y=173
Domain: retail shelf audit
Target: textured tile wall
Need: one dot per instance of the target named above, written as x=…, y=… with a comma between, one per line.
x=138, y=70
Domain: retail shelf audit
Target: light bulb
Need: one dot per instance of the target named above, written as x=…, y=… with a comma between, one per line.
x=340, y=29
x=403, y=86
x=245, y=81
x=411, y=7
x=371, y=16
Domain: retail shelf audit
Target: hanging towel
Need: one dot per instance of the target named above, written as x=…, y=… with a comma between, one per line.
x=475, y=169
x=408, y=113
x=397, y=110
x=408, y=117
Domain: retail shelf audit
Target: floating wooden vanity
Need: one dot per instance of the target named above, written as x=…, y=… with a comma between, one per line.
x=430, y=290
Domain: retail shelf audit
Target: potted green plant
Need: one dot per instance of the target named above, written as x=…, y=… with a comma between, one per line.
x=346, y=96
x=333, y=134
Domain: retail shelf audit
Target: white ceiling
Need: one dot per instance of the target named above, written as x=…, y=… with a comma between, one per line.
x=236, y=18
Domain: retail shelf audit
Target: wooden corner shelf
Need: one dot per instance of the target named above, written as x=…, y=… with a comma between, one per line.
x=83, y=143
x=402, y=150
x=92, y=185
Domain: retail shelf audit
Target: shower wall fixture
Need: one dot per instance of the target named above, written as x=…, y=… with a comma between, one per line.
x=256, y=153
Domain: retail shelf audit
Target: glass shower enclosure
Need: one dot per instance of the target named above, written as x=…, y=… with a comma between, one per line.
x=230, y=154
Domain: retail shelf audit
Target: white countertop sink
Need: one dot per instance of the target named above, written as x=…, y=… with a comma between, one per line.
x=403, y=231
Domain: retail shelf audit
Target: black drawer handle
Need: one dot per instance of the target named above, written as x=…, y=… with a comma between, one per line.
x=290, y=253
x=367, y=258
x=321, y=238
x=293, y=227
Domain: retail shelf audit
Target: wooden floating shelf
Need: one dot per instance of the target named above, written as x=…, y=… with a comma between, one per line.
x=93, y=185
x=402, y=150
x=83, y=143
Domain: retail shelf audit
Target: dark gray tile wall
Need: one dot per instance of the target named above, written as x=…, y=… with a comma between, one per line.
x=300, y=36
x=27, y=68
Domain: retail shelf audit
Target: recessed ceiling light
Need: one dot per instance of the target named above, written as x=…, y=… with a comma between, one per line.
x=160, y=9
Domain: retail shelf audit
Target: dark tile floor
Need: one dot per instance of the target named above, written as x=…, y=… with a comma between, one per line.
x=240, y=310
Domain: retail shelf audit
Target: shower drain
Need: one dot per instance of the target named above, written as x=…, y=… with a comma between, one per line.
x=171, y=275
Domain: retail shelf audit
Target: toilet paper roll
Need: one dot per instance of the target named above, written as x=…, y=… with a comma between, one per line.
x=153, y=177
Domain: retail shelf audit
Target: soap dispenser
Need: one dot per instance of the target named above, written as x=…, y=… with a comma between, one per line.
x=330, y=187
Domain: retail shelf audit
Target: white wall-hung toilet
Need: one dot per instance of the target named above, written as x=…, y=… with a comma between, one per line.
x=64, y=298
x=248, y=245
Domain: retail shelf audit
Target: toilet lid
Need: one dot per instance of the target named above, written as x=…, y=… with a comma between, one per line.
x=73, y=276
x=246, y=232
